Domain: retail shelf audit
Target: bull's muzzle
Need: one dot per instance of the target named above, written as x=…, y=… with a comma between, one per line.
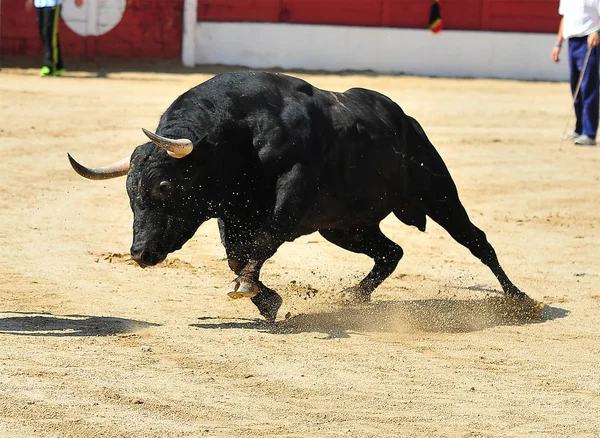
x=146, y=258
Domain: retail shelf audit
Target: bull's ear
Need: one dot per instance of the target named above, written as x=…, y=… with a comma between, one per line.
x=177, y=148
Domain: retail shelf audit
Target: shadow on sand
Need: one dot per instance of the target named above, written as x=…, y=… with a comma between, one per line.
x=104, y=68
x=47, y=324
x=433, y=315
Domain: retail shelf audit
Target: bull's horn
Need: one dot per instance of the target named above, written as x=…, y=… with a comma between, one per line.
x=114, y=170
x=175, y=148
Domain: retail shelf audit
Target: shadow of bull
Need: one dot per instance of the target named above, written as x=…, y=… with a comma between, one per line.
x=47, y=324
x=428, y=315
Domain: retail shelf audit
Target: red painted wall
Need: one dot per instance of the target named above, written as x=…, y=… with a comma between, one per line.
x=148, y=29
x=488, y=15
x=152, y=28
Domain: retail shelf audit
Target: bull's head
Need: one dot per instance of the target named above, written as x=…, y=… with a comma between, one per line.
x=163, y=192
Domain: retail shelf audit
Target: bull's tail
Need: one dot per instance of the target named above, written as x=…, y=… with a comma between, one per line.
x=426, y=176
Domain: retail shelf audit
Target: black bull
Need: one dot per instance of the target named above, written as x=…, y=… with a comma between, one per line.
x=274, y=158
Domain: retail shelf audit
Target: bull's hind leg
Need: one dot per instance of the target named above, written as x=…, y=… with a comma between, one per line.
x=452, y=216
x=372, y=242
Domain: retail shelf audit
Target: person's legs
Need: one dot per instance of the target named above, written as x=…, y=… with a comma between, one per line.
x=577, y=52
x=56, y=52
x=589, y=93
x=45, y=27
x=48, y=22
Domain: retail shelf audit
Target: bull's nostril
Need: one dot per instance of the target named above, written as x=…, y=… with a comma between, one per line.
x=139, y=256
x=146, y=258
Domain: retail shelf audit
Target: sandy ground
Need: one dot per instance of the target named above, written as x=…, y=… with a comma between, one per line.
x=92, y=345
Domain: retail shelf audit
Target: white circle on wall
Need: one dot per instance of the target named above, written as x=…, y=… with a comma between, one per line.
x=92, y=17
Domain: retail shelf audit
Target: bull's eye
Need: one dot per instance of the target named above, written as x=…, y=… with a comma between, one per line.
x=165, y=186
x=164, y=191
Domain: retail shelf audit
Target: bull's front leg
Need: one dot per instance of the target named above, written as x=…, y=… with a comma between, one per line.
x=248, y=248
x=246, y=258
x=237, y=238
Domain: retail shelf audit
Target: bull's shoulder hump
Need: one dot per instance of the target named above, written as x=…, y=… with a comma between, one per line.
x=259, y=81
x=373, y=101
x=252, y=92
x=367, y=96
x=247, y=95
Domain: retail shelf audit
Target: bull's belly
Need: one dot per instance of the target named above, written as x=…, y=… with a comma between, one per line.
x=357, y=189
x=331, y=212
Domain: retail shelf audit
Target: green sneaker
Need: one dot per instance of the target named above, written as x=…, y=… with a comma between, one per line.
x=59, y=72
x=45, y=71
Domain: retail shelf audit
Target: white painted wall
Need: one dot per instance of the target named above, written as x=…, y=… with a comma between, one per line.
x=505, y=55
x=93, y=17
x=188, y=42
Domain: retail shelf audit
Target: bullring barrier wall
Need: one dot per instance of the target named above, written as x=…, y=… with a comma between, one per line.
x=481, y=38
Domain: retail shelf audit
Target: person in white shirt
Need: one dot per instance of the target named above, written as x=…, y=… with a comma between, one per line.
x=48, y=17
x=580, y=24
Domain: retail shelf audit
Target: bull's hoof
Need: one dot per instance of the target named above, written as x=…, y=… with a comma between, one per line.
x=242, y=288
x=524, y=308
x=354, y=295
x=268, y=303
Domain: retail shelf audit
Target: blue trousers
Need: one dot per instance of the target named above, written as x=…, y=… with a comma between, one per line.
x=587, y=102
